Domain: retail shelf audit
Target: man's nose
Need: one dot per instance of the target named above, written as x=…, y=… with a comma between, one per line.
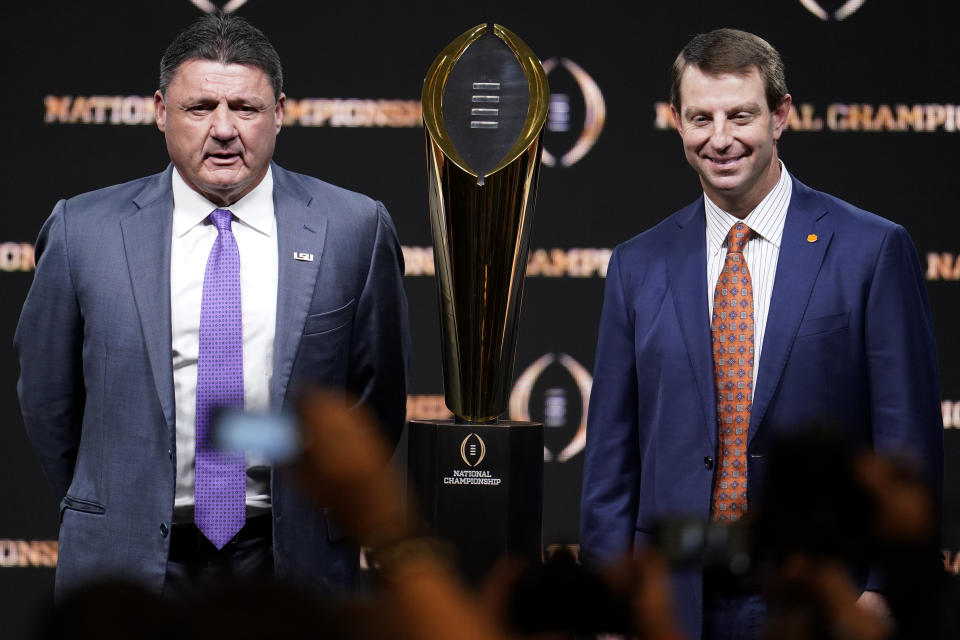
x=720, y=137
x=222, y=126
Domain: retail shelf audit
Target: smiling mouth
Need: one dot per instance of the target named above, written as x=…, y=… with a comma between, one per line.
x=722, y=162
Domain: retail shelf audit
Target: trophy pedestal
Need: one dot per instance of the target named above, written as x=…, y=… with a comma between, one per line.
x=480, y=487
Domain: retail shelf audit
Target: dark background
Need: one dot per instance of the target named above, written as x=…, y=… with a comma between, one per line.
x=885, y=53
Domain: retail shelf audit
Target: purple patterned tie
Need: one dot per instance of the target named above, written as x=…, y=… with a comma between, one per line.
x=220, y=483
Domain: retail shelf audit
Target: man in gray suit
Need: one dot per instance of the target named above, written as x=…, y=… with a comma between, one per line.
x=225, y=280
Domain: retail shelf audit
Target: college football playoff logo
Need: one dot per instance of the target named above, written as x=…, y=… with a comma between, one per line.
x=209, y=6
x=566, y=108
x=472, y=450
x=844, y=11
x=565, y=391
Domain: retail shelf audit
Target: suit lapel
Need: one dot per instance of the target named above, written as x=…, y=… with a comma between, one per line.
x=687, y=269
x=300, y=229
x=146, y=242
x=797, y=268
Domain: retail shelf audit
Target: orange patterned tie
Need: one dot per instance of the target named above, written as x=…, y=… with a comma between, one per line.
x=732, y=332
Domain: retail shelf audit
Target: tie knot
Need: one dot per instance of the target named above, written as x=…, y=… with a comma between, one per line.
x=737, y=238
x=221, y=219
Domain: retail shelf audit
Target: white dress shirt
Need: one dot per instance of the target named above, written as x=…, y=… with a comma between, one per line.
x=761, y=252
x=254, y=228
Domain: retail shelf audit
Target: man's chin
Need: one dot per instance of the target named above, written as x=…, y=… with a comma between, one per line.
x=225, y=178
x=222, y=173
x=222, y=192
x=724, y=185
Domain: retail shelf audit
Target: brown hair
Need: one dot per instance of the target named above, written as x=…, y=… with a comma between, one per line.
x=731, y=51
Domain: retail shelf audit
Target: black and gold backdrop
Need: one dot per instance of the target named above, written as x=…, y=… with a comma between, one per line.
x=877, y=122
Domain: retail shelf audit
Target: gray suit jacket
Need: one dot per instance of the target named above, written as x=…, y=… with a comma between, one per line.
x=96, y=381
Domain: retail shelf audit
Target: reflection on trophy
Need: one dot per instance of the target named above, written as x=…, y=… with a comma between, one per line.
x=479, y=479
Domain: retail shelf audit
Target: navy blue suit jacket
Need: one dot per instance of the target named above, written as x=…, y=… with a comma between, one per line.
x=849, y=336
x=96, y=379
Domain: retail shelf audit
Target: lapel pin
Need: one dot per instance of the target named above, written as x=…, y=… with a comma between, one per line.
x=305, y=257
x=812, y=237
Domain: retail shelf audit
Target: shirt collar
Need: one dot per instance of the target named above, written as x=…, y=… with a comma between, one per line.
x=766, y=220
x=254, y=210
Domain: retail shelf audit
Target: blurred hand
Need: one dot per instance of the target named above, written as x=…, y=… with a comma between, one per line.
x=345, y=465
x=904, y=507
x=852, y=616
x=875, y=604
x=647, y=581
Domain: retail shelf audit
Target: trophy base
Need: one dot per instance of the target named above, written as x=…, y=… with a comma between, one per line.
x=480, y=487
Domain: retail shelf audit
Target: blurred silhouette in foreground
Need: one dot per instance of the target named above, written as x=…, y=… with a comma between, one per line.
x=829, y=516
x=807, y=550
x=421, y=593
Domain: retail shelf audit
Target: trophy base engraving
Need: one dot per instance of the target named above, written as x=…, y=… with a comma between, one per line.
x=480, y=487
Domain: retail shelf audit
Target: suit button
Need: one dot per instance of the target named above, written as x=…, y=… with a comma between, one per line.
x=170, y=453
x=708, y=462
x=164, y=530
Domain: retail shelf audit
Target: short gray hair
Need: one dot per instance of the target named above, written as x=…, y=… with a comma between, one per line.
x=225, y=38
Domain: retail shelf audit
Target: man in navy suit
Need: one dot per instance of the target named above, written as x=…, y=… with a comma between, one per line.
x=687, y=397
x=111, y=338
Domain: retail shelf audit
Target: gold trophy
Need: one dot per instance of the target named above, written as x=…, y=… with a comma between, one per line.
x=485, y=102
x=479, y=479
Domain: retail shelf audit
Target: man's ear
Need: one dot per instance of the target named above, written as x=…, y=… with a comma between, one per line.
x=676, y=119
x=160, y=108
x=780, y=116
x=278, y=111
